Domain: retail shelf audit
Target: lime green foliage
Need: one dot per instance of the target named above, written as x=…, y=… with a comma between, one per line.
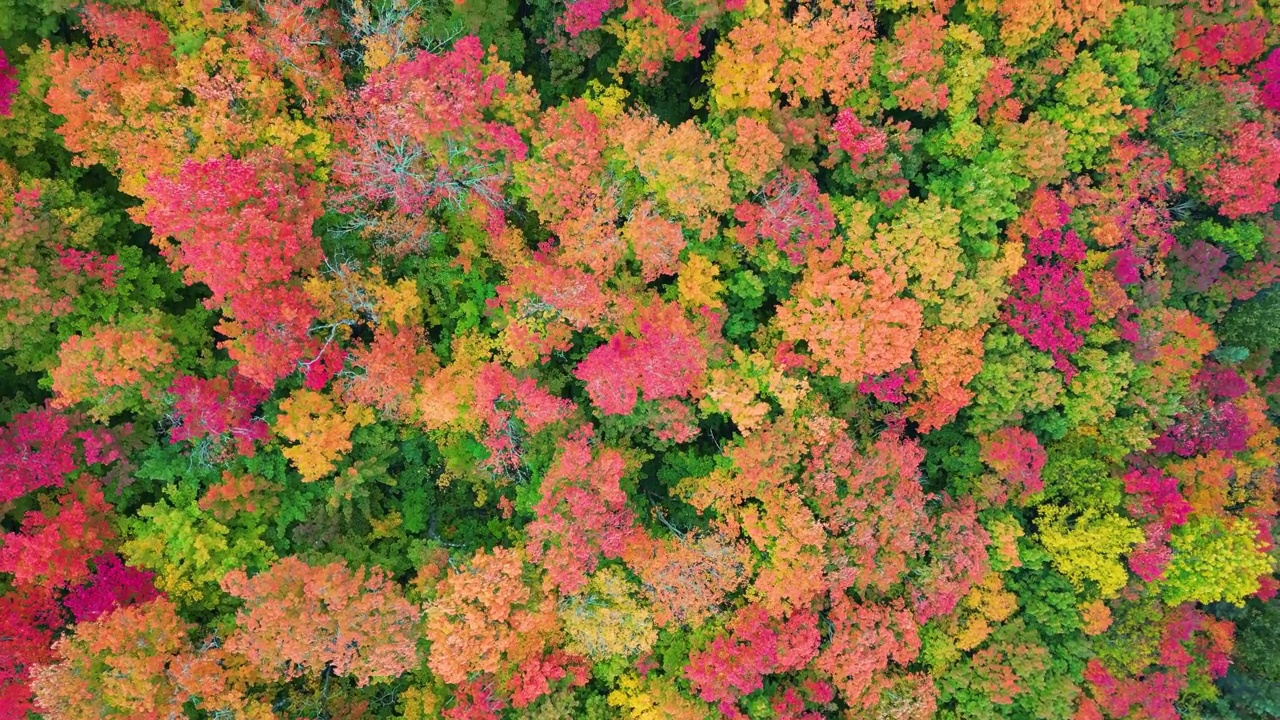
x=190, y=550
x=1087, y=547
x=1214, y=561
x=1091, y=107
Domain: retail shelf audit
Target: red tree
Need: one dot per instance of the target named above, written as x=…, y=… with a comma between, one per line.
x=54, y=546
x=583, y=512
x=667, y=360
x=36, y=450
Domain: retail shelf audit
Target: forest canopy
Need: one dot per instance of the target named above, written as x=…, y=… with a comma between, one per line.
x=683, y=360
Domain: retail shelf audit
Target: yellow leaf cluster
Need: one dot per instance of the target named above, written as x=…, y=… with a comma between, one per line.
x=697, y=284
x=607, y=618
x=682, y=166
x=1087, y=548
x=320, y=432
x=807, y=57
x=653, y=699
x=739, y=390
x=987, y=604
x=348, y=294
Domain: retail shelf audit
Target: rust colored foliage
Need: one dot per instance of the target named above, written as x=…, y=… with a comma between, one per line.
x=854, y=328
x=687, y=578
x=431, y=132
x=872, y=506
x=137, y=663
x=116, y=666
x=111, y=369
x=93, y=88
x=957, y=559
x=1242, y=180
x=302, y=619
x=865, y=640
x=916, y=63
x=486, y=618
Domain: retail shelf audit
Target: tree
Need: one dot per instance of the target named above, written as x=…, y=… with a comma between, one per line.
x=914, y=65
x=115, y=666
x=236, y=226
x=29, y=618
x=607, y=618
x=1242, y=180
x=300, y=618
x=433, y=132
x=791, y=213
x=853, y=328
x=681, y=166
x=760, y=64
x=190, y=548
x=654, y=698
x=757, y=497
x=136, y=662
x=958, y=559
x=1091, y=108
x=565, y=181
x=36, y=450
x=582, y=513
x=320, y=432
x=485, y=618
x=389, y=370
x=1049, y=305
x=8, y=84
x=1088, y=546
x=1018, y=459
x=865, y=639
x=113, y=368
x=112, y=586
x=243, y=228
x=686, y=578
x=754, y=151
x=297, y=41
x=1215, y=561
x=667, y=360
x=54, y=546
x=735, y=664
x=654, y=240
x=139, y=98
x=871, y=505
x=217, y=414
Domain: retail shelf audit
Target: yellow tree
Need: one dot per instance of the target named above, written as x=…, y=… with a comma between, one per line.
x=321, y=433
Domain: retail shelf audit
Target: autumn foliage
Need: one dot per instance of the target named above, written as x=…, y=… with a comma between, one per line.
x=488, y=360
